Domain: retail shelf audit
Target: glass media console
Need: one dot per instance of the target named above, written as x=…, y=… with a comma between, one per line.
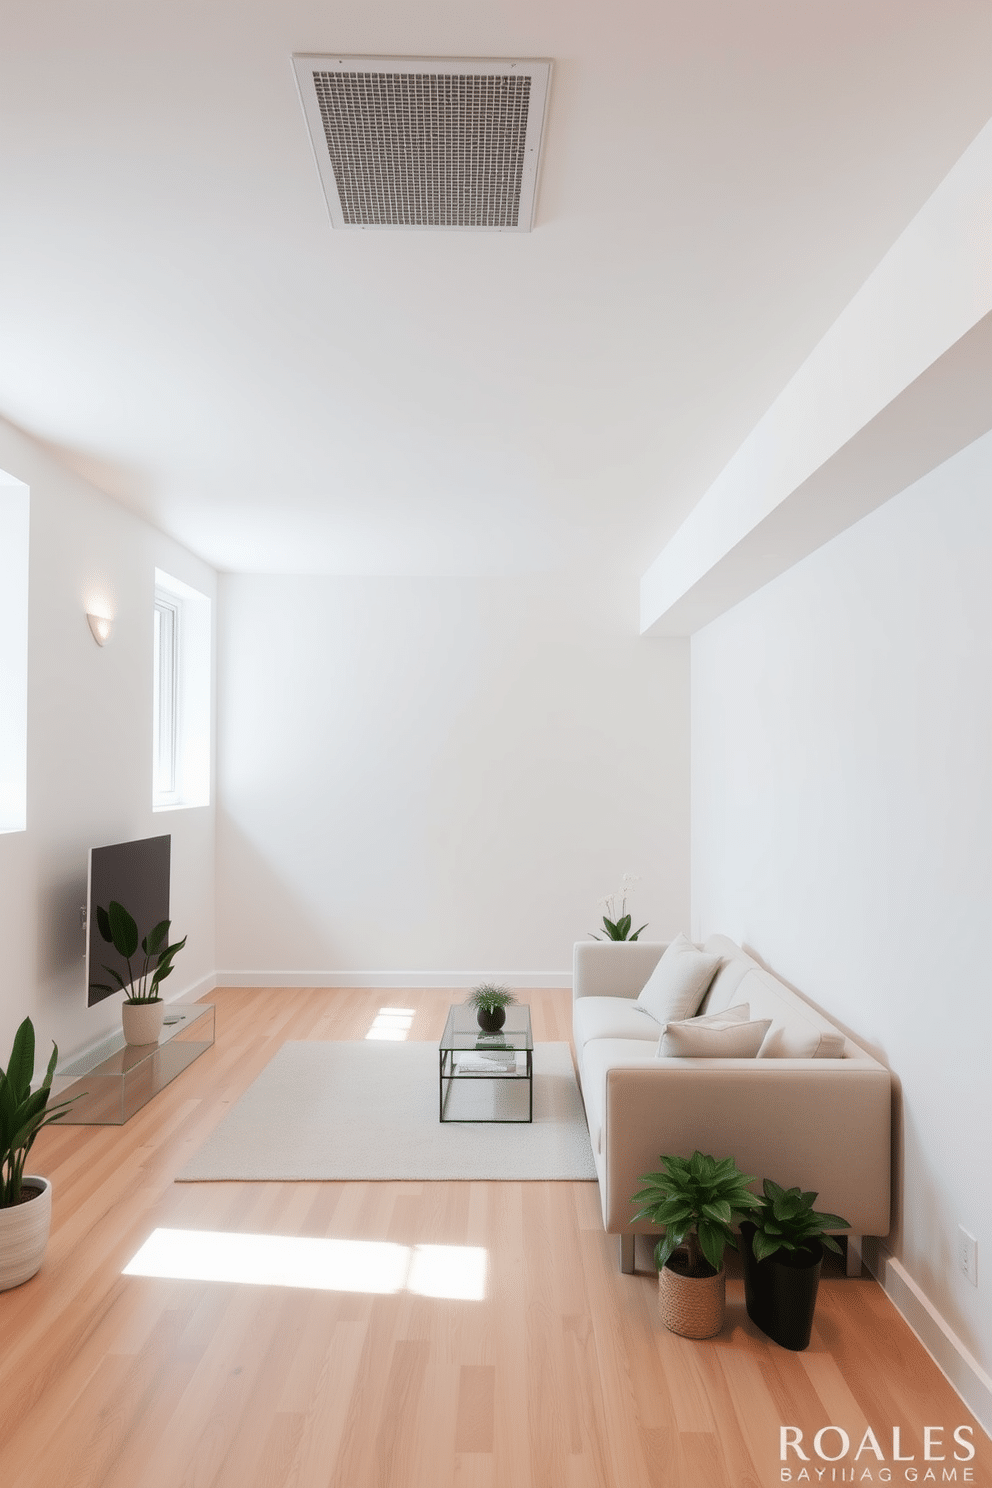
x=118, y=1078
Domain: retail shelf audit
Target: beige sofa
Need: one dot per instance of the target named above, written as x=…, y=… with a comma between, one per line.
x=790, y=1114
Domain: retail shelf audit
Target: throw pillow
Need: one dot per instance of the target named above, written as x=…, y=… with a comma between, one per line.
x=727, y=1035
x=678, y=983
x=739, y=1013
x=805, y=1042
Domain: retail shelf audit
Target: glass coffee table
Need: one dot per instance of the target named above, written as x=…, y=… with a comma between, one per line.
x=467, y=1054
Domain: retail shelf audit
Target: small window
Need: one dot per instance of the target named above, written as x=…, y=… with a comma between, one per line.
x=181, y=693
x=166, y=688
x=13, y=654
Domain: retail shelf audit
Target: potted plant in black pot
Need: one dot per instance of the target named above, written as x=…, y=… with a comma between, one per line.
x=25, y=1199
x=782, y=1246
x=141, y=1015
x=490, y=1002
x=697, y=1199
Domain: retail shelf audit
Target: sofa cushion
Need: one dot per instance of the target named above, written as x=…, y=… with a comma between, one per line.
x=723, y=988
x=611, y=1017
x=797, y=1031
x=726, y=1035
x=678, y=983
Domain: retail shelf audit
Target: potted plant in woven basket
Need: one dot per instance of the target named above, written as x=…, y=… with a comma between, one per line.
x=782, y=1245
x=697, y=1199
x=141, y=1014
x=25, y=1200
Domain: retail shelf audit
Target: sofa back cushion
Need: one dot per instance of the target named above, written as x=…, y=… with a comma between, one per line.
x=678, y=983
x=613, y=968
x=723, y=988
x=797, y=1031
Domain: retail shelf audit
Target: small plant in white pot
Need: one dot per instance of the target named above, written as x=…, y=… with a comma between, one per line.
x=141, y=1014
x=25, y=1200
x=697, y=1199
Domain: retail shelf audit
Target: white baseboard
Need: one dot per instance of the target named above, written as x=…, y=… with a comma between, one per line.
x=460, y=979
x=199, y=989
x=959, y=1367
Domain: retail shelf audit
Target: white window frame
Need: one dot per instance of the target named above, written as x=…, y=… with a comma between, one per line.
x=181, y=743
x=166, y=699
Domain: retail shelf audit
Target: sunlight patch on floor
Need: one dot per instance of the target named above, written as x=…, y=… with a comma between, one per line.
x=457, y=1272
x=391, y=1023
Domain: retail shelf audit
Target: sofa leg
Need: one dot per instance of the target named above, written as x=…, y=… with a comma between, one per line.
x=854, y=1255
x=627, y=1254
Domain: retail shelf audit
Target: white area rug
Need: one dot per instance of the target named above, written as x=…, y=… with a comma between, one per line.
x=359, y=1111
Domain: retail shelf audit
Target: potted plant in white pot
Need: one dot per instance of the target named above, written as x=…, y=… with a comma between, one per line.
x=782, y=1246
x=697, y=1199
x=25, y=1199
x=141, y=1014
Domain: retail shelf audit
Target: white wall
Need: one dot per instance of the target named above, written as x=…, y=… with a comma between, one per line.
x=842, y=820
x=442, y=775
x=14, y=512
x=89, y=752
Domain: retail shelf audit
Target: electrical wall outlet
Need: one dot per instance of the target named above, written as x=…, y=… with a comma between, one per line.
x=968, y=1255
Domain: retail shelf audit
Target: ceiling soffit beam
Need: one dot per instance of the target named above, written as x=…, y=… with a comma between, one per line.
x=900, y=382
x=939, y=414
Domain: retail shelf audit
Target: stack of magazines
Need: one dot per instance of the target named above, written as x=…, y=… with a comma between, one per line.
x=486, y=1062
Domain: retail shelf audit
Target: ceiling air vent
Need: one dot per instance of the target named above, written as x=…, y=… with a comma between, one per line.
x=404, y=142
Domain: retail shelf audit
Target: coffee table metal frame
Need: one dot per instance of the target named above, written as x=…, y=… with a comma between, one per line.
x=462, y=1034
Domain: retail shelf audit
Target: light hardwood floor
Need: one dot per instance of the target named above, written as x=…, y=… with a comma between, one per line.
x=561, y=1376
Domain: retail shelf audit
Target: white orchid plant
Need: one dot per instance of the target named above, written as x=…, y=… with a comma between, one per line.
x=616, y=920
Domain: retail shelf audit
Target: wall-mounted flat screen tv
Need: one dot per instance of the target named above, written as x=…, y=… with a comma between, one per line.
x=136, y=874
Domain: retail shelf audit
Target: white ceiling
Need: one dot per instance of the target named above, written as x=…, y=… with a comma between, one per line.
x=179, y=321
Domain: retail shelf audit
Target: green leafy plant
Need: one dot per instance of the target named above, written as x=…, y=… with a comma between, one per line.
x=697, y=1199
x=23, y=1112
x=118, y=928
x=786, y=1220
x=489, y=996
x=616, y=921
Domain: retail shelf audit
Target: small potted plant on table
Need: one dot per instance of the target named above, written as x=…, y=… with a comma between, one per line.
x=697, y=1199
x=491, y=1002
x=25, y=1200
x=782, y=1246
x=141, y=1014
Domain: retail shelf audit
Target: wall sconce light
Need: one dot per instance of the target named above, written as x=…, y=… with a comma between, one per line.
x=101, y=627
